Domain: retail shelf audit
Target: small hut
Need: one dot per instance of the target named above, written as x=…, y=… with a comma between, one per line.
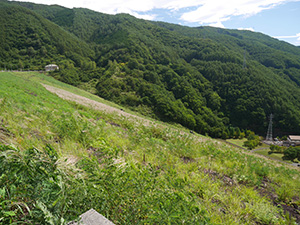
x=294, y=140
x=51, y=67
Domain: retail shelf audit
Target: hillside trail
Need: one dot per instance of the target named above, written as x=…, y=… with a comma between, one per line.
x=109, y=109
x=66, y=95
x=93, y=104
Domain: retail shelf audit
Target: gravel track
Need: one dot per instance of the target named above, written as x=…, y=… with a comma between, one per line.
x=95, y=105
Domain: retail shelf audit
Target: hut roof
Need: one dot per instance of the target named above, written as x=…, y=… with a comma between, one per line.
x=294, y=137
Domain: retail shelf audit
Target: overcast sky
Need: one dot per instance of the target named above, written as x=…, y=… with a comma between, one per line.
x=277, y=18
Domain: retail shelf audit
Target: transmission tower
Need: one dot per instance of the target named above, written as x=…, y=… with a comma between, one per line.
x=270, y=130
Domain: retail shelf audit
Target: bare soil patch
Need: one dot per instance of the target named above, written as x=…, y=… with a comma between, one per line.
x=292, y=208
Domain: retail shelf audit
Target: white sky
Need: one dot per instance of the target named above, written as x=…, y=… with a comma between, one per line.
x=202, y=12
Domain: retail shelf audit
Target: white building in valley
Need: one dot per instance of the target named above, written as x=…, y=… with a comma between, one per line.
x=51, y=67
x=294, y=139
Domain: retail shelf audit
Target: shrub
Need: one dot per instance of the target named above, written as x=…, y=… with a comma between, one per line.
x=291, y=153
x=252, y=141
x=276, y=149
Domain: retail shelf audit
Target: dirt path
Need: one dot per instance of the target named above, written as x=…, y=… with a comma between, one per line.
x=254, y=150
x=94, y=104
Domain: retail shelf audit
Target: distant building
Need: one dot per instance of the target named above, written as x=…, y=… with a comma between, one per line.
x=294, y=140
x=51, y=67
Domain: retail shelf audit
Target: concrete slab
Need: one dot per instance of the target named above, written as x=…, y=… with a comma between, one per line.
x=92, y=217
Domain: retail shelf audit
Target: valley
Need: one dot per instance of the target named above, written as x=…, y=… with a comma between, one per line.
x=145, y=122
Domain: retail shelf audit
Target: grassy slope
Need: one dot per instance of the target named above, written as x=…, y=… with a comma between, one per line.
x=135, y=174
x=41, y=78
x=55, y=83
x=277, y=156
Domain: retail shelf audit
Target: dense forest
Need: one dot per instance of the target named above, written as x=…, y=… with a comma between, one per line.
x=211, y=80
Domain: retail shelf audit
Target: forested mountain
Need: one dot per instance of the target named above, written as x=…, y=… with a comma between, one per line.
x=29, y=41
x=207, y=79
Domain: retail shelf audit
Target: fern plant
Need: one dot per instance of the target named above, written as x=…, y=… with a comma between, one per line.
x=33, y=190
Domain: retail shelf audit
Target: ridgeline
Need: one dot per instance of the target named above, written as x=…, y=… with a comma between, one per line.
x=214, y=81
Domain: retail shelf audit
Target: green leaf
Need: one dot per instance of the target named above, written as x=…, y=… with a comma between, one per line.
x=9, y=213
x=2, y=192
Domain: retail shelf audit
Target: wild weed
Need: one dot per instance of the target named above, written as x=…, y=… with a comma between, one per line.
x=32, y=182
x=129, y=172
x=284, y=194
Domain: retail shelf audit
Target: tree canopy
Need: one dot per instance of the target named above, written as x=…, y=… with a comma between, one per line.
x=207, y=79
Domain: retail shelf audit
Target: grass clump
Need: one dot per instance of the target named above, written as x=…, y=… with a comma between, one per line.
x=33, y=191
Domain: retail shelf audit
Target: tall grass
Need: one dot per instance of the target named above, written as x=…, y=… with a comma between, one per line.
x=74, y=158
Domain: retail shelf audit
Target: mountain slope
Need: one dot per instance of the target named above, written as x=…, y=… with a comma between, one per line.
x=268, y=51
x=245, y=107
x=207, y=79
x=59, y=159
x=28, y=41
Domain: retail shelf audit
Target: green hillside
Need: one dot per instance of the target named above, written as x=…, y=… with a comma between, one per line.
x=209, y=80
x=59, y=159
x=28, y=41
